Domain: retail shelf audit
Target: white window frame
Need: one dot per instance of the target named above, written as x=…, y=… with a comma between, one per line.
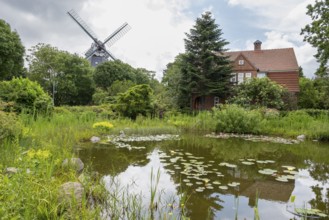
x=233, y=78
x=240, y=78
x=216, y=100
x=261, y=75
x=241, y=62
x=248, y=76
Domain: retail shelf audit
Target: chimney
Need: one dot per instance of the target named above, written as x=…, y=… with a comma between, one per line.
x=257, y=45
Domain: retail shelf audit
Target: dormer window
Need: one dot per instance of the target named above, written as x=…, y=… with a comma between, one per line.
x=241, y=62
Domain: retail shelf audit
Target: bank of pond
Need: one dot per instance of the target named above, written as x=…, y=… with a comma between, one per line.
x=176, y=167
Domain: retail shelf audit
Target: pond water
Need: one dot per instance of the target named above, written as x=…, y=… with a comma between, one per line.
x=216, y=178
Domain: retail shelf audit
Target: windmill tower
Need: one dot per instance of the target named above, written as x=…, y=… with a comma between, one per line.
x=98, y=53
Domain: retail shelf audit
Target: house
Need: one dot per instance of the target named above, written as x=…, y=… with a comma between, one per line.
x=279, y=65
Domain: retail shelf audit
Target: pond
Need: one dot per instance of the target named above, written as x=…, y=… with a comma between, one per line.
x=207, y=178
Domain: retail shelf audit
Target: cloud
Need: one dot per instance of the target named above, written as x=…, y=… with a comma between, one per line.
x=282, y=25
x=156, y=37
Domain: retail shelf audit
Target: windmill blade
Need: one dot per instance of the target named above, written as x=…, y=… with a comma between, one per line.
x=82, y=24
x=117, y=34
x=109, y=54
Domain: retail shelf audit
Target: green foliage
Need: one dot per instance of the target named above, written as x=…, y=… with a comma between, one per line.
x=235, y=119
x=11, y=53
x=206, y=70
x=68, y=75
x=258, y=92
x=10, y=127
x=108, y=72
x=317, y=33
x=137, y=100
x=26, y=95
x=314, y=93
x=308, y=96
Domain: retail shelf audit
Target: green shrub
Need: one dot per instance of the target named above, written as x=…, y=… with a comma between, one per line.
x=235, y=119
x=259, y=92
x=26, y=95
x=10, y=127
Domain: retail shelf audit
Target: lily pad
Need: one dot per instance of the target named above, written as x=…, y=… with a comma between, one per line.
x=269, y=161
x=209, y=187
x=223, y=187
x=289, y=167
x=281, y=179
x=247, y=163
x=189, y=184
x=199, y=189
x=267, y=171
x=233, y=184
x=216, y=183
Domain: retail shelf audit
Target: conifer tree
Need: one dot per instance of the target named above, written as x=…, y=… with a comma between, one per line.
x=207, y=71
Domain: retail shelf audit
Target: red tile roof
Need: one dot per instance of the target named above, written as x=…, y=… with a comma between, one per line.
x=269, y=60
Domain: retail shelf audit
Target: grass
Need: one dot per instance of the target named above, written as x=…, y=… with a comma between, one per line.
x=38, y=151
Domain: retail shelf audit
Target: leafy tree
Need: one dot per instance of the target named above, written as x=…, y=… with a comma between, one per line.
x=206, y=69
x=11, y=53
x=301, y=72
x=317, y=33
x=171, y=80
x=137, y=100
x=321, y=84
x=26, y=95
x=67, y=77
x=308, y=96
x=108, y=72
x=258, y=92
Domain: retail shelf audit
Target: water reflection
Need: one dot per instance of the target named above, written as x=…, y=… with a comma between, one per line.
x=192, y=164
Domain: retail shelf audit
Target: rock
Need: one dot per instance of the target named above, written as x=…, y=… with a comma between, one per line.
x=11, y=170
x=95, y=139
x=122, y=134
x=74, y=163
x=301, y=137
x=71, y=193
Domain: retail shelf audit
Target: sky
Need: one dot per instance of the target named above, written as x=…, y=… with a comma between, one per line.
x=158, y=27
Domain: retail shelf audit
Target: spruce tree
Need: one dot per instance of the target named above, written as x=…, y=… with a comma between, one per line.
x=207, y=71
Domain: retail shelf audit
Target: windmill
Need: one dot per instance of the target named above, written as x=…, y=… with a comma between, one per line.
x=98, y=53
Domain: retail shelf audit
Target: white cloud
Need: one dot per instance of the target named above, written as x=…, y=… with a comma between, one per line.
x=157, y=30
x=282, y=22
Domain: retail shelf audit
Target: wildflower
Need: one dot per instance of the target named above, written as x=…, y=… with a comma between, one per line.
x=103, y=126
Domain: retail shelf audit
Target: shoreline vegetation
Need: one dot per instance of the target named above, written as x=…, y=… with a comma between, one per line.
x=36, y=147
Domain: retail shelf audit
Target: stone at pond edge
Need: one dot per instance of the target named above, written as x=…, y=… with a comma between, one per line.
x=301, y=137
x=95, y=139
x=74, y=163
x=71, y=193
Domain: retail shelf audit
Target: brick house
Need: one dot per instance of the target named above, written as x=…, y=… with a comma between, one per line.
x=279, y=65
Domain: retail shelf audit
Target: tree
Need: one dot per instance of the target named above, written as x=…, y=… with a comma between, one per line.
x=137, y=100
x=26, y=95
x=258, y=92
x=317, y=33
x=108, y=72
x=67, y=77
x=171, y=80
x=308, y=96
x=206, y=70
x=11, y=53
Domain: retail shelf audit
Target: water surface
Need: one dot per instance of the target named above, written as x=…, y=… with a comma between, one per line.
x=202, y=168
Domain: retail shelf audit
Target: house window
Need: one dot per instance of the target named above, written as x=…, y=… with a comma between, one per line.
x=240, y=78
x=248, y=76
x=241, y=62
x=216, y=100
x=233, y=78
x=261, y=75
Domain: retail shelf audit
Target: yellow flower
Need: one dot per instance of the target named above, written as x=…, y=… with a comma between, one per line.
x=103, y=126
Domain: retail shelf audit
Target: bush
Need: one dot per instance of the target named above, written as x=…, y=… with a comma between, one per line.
x=9, y=126
x=236, y=119
x=259, y=92
x=136, y=101
x=26, y=95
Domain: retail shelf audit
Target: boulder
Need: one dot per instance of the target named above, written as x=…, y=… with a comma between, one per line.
x=74, y=163
x=11, y=170
x=95, y=139
x=301, y=137
x=71, y=193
